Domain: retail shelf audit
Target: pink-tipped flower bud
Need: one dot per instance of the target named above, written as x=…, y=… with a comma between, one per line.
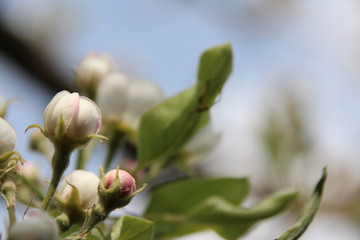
x=38, y=226
x=73, y=116
x=116, y=189
x=7, y=137
x=127, y=183
x=86, y=184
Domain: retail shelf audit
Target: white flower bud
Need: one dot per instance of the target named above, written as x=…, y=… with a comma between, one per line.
x=86, y=184
x=125, y=100
x=38, y=226
x=92, y=69
x=80, y=115
x=7, y=137
x=142, y=96
x=112, y=95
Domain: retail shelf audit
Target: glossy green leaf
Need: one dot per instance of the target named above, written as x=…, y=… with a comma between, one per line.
x=308, y=213
x=194, y=205
x=166, y=127
x=132, y=228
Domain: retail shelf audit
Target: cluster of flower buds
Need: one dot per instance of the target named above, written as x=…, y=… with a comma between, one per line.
x=122, y=101
x=115, y=190
x=71, y=121
x=118, y=97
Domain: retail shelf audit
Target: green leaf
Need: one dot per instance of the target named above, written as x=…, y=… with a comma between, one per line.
x=179, y=196
x=308, y=213
x=92, y=237
x=194, y=205
x=214, y=69
x=218, y=210
x=132, y=228
x=166, y=127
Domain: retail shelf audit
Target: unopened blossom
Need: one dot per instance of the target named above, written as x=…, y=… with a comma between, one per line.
x=125, y=100
x=125, y=184
x=112, y=95
x=80, y=115
x=37, y=226
x=91, y=70
x=86, y=184
x=116, y=189
x=142, y=96
x=7, y=137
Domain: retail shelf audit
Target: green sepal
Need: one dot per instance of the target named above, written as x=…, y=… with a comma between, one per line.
x=110, y=198
x=72, y=201
x=7, y=157
x=72, y=213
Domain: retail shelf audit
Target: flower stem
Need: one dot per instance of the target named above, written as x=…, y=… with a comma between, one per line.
x=12, y=215
x=59, y=163
x=8, y=190
x=98, y=214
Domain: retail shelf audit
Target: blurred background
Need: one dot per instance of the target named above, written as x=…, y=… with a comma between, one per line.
x=290, y=107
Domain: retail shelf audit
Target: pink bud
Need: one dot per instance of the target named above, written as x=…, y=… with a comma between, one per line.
x=127, y=182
